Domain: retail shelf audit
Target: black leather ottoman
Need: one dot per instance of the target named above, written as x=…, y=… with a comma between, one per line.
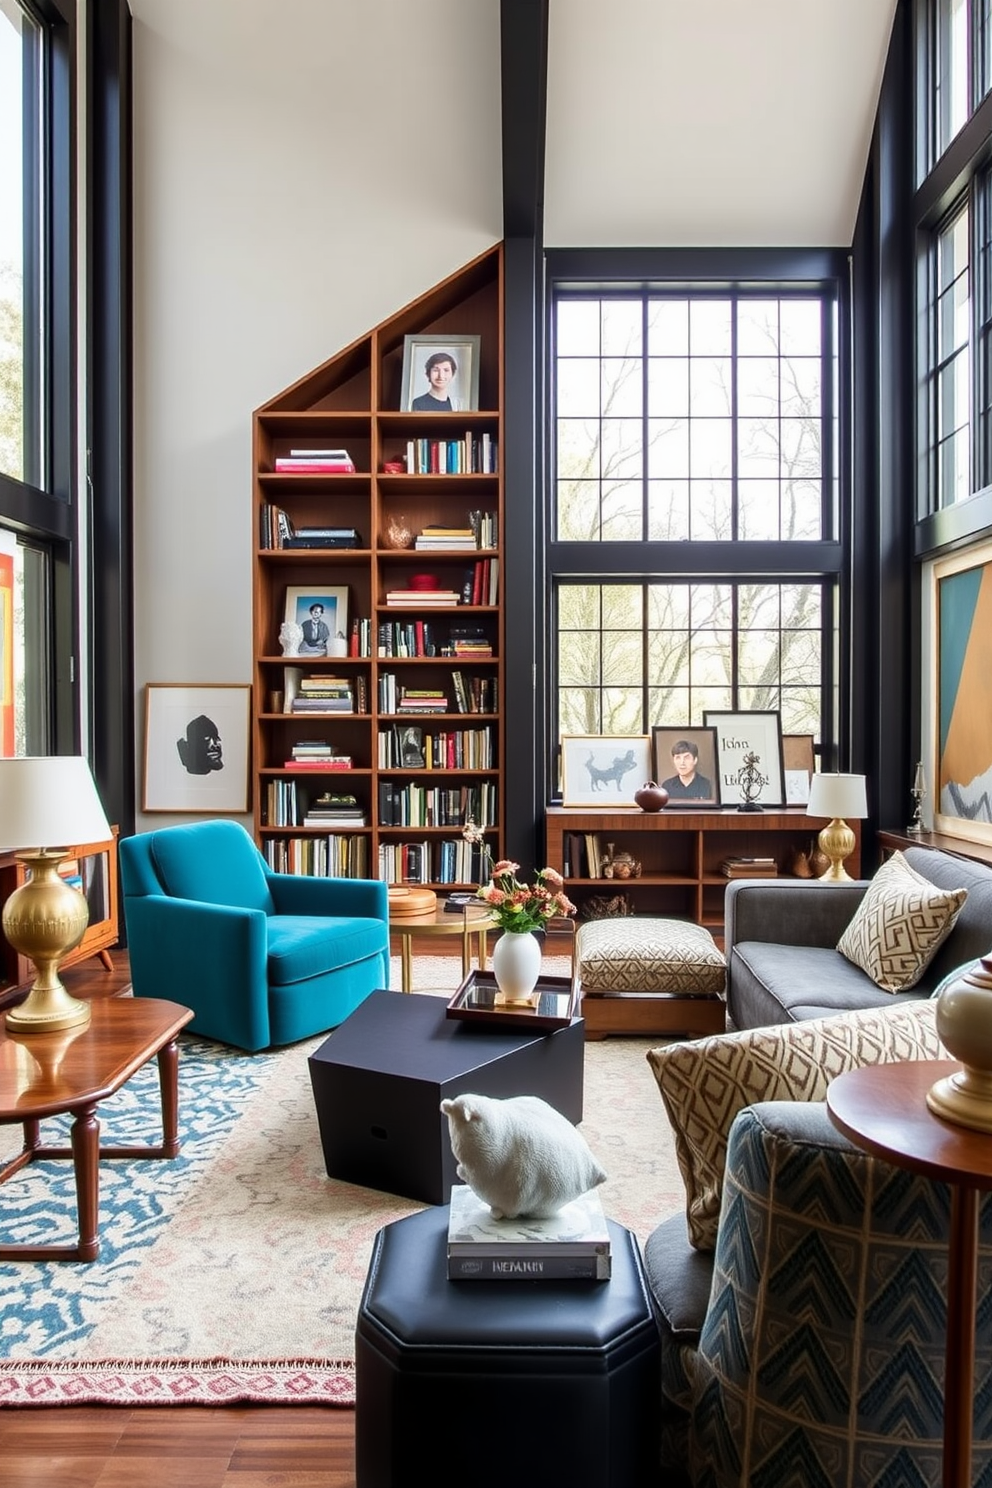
x=494, y=1382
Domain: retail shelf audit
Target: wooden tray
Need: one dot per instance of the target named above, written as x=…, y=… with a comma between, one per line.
x=403, y=901
x=475, y=1002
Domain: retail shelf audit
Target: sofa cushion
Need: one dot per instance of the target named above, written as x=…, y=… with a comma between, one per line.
x=704, y=1083
x=212, y=863
x=304, y=946
x=899, y=925
x=775, y=983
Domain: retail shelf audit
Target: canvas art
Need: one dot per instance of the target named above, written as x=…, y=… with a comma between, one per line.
x=961, y=599
x=603, y=769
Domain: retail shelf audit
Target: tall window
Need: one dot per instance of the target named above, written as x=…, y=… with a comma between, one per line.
x=696, y=476
x=37, y=405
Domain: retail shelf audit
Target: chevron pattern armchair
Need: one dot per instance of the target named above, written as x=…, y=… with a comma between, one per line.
x=808, y=1349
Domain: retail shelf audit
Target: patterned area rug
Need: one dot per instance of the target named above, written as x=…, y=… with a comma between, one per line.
x=234, y=1272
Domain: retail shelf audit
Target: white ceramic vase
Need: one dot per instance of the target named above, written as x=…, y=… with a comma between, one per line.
x=516, y=965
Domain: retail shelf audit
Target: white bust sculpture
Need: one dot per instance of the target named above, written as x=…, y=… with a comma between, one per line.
x=290, y=637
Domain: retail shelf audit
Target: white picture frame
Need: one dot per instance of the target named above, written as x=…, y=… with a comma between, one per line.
x=462, y=352
x=197, y=748
x=739, y=734
x=604, y=769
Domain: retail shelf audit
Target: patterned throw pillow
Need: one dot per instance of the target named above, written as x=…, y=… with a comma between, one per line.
x=705, y=1082
x=899, y=925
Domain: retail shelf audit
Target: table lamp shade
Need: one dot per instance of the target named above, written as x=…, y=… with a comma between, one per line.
x=841, y=796
x=49, y=801
x=47, y=804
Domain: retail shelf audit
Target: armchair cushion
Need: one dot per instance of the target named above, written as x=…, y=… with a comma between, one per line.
x=900, y=925
x=212, y=863
x=704, y=1083
x=302, y=946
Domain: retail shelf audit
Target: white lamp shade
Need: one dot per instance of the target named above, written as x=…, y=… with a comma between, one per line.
x=841, y=796
x=49, y=801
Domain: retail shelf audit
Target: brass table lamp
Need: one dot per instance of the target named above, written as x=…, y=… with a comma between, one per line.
x=47, y=799
x=838, y=797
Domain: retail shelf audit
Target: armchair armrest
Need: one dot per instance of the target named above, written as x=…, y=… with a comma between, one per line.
x=177, y=943
x=790, y=912
x=295, y=893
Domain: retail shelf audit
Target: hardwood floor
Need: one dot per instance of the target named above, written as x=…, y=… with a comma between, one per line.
x=179, y=1446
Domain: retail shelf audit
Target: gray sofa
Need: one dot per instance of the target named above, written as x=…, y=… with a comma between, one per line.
x=781, y=937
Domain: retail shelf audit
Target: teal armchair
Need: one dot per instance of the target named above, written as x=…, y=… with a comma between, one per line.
x=262, y=958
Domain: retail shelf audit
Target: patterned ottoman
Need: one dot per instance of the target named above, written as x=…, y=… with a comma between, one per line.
x=649, y=976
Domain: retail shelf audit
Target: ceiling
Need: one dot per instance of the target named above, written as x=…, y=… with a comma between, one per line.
x=710, y=122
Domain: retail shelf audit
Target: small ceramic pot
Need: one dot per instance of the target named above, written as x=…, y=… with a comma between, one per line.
x=651, y=797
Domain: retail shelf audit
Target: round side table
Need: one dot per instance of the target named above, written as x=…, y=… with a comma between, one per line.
x=472, y=922
x=883, y=1109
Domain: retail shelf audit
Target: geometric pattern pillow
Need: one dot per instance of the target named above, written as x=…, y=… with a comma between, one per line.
x=705, y=1082
x=648, y=955
x=899, y=925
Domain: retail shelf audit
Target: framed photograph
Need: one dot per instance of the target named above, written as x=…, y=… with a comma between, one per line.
x=323, y=614
x=603, y=769
x=685, y=765
x=196, y=747
x=440, y=374
x=741, y=734
x=957, y=661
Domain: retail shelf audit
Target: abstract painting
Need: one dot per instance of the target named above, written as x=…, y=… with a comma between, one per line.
x=961, y=602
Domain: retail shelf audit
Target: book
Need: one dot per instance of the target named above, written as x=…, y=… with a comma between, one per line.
x=573, y=1244
x=287, y=465
x=319, y=454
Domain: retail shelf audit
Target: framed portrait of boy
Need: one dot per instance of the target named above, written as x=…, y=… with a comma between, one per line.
x=440, y=374
x=685, y=765
x=322, y=613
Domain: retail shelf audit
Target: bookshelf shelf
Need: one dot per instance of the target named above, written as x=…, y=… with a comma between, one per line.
x=352, y=402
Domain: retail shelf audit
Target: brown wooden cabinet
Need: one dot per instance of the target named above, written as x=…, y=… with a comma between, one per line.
x=679, y=852
x=412, y=471
x=95, y=864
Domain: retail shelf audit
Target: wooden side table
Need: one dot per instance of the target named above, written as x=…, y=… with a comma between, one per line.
x=883, y=1109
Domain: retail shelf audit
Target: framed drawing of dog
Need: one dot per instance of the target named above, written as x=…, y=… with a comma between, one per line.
x=603, y=769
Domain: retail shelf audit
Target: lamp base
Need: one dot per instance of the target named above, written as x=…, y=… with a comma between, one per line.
x=837, y=843
x=964, y=1098
x=43, y=920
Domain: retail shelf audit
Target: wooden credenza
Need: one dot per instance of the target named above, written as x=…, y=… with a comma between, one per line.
x=680, y=851
x=96, y=864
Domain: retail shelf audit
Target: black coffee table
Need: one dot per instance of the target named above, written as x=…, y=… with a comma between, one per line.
x=379, y=1079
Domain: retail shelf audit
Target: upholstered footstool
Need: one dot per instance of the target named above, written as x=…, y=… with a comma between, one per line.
x=545, y=1384
x=649, y=976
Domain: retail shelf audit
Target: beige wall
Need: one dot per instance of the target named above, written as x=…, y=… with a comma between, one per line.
x=303, y=168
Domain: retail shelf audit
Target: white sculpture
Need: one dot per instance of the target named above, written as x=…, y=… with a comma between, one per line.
x=290, y=637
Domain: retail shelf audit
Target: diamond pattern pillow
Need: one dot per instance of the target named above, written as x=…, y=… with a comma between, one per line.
x=705, y=1082
x=899, y=925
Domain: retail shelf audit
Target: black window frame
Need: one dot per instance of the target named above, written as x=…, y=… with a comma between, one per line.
x=774, y=272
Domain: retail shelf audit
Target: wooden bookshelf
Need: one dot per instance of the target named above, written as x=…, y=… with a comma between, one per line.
x=352, y=402
x=680, y=852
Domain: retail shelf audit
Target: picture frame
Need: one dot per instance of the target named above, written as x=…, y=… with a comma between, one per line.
x=799, y=761
x=603, y=769
x=462, y=391
x=742, y=733
x=957, y=743
x=196, y=748
x=300, y=599
x=685, y=788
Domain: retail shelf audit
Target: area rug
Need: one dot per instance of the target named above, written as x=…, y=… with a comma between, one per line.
x=234, y=1273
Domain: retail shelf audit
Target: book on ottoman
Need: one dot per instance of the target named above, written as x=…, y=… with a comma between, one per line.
x=574, y=1245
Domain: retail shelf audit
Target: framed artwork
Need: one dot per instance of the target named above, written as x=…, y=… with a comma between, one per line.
x=958, y=663
x=741, y=734
x=685, y=764
x=798, y=761
x=323, y=614
x=440, y=374
x=603, y=769
x=196, y=747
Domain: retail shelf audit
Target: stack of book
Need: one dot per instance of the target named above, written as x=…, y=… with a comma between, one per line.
x=334, y=811
x=574, y=1245
x=468, y=640
x=315, y=462
x=317, y=754
x=321, y=694
x=322, y=537
x=422, y=700
x=749, y=868
x=422, y=599
x=445, y=539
